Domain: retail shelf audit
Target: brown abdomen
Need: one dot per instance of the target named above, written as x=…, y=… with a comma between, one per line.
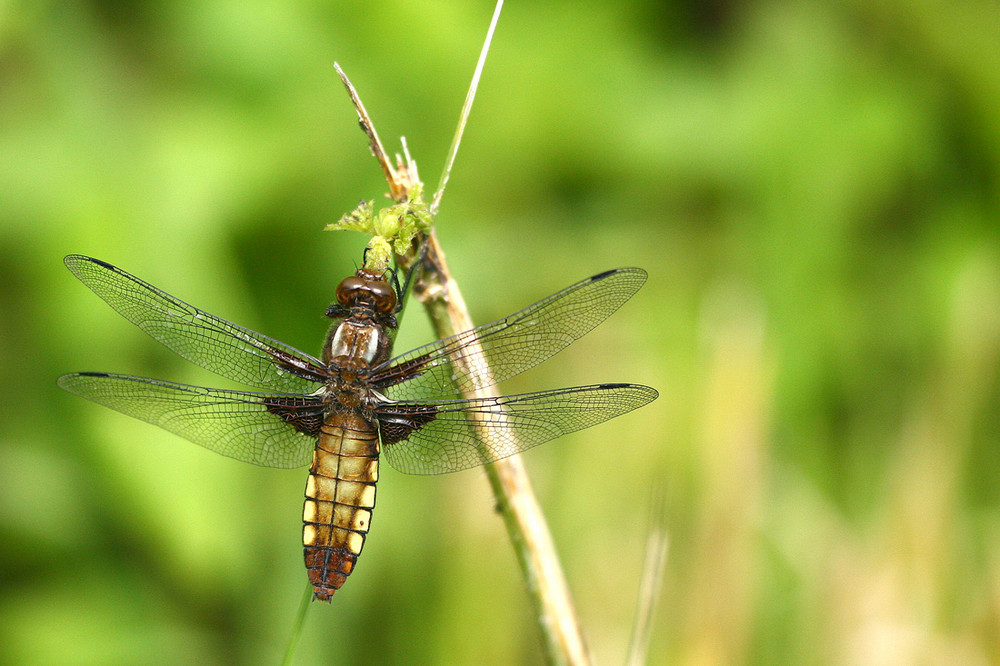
x=340, y=496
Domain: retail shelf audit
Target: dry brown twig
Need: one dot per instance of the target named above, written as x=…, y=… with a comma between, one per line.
x=511, y=486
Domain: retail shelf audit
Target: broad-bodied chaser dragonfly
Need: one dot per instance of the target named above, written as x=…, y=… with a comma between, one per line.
x=344, y=412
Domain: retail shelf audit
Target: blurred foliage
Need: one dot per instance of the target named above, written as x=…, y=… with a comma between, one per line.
x=813, y=188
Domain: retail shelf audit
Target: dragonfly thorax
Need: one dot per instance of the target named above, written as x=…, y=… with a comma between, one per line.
x=358, y=339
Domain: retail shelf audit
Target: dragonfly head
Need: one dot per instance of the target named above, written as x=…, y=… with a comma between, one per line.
x=364, y=289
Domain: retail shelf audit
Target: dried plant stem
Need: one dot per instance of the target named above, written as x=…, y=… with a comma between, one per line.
x=515, y=499
x=401, y=178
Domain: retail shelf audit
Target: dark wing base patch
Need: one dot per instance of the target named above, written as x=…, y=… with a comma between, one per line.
x=304, y=414
x=397, y=422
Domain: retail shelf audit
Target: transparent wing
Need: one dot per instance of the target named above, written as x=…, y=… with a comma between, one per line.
x=510, y=345
x=450, y=435
x=237, y=424
x=215, y=344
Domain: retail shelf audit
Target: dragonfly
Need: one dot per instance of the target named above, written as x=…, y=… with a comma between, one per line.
x=357, y=404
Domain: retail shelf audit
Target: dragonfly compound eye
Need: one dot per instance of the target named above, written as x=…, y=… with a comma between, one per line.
x=383, y=294
x=348, y=289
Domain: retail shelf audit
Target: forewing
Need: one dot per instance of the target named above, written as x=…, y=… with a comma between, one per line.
x=237, y=424
x=215, y=344
x=450, y=367
x=451, y=435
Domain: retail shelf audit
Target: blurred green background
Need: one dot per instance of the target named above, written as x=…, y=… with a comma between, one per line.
x=814, y=189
